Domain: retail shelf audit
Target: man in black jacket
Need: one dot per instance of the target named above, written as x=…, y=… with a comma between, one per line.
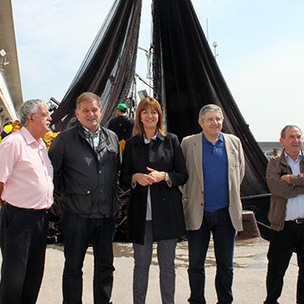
x=122, y=125
x=86, y=160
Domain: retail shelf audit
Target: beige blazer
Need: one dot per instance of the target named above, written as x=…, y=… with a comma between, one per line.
x=193, y=190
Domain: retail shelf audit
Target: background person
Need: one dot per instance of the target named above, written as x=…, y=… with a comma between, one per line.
x=274, y=153
x=286, y=182
x=7, y=129
x=154, y=165
x=86, y=160
x=212, y=204
x=26, y=190
x=122, y=125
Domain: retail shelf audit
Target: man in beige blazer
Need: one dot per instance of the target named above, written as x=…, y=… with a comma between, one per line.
x=212, y=204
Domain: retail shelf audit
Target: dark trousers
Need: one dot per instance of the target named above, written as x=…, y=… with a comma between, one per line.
x=23, y=242
x=79, y=233
x=281, y=247
x=220, y=225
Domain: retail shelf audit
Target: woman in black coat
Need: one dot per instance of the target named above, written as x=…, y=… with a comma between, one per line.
x=153, y=166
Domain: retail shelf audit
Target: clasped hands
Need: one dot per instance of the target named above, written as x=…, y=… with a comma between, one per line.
x=148, y=179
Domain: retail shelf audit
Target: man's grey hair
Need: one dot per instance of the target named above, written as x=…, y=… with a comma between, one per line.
x=209, y=108
x=287, y=127
x=87, y=96
x=29, y=107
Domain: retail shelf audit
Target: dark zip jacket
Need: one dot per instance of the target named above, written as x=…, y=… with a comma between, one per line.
x=85, y=180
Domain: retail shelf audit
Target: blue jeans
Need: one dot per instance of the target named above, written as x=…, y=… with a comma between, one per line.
x=142, y=262
x=220, y=225
x=79, y=233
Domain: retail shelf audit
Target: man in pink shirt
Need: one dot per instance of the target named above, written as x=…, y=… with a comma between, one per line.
x=26, y=192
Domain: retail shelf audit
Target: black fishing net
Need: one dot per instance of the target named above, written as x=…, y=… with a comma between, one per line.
x=185, y=78
x=109, y=66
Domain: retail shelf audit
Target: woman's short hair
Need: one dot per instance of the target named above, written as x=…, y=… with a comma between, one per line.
x=209, y=108
x=144, y=105
x=29, y=107
x=87, y=96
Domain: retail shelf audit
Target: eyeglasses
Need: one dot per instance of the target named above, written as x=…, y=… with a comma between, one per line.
x=43, y=114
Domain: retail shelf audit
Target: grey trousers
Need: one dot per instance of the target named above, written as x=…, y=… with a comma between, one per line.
x=142, y=262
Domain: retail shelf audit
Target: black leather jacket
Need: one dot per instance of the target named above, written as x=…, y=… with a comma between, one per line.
x=86, y=181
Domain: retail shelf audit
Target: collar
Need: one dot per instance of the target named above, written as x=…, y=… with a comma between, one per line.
x=221, y=138
x=29, y=137
x=146, y=140
x=141, y=139
x=88, y=133
x=299, y=157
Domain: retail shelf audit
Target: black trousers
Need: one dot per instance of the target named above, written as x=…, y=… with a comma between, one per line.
x=282, y=245
x=23, y=238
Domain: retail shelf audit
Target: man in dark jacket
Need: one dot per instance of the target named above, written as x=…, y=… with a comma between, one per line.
x=122, y=125
x=285, y=179
x=86, y=160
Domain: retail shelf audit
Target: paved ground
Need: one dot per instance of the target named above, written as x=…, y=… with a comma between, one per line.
x=250, y=264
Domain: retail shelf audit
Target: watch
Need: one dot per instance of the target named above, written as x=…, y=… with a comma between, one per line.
x=167, y=177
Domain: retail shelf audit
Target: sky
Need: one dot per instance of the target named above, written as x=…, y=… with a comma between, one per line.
x=260, y=51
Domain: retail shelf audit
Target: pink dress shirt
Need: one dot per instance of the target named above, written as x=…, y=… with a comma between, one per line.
x=26, y=171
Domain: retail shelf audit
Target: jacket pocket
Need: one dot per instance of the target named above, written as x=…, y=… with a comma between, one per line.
x=79, y=200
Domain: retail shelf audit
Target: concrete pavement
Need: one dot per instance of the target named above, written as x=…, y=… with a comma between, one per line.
x=250, y=266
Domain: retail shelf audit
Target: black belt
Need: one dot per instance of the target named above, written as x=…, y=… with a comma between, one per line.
x=27, y=209
x=298, y=221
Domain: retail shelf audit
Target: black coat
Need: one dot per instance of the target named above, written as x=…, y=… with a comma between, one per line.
x=162, y=154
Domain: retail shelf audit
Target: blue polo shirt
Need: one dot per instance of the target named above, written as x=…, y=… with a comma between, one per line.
x=215, y=171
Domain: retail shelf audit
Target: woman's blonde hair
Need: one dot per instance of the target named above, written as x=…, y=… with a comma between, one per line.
x=144, y=105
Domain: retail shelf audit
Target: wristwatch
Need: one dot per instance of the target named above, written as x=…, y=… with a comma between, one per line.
x=167, y=177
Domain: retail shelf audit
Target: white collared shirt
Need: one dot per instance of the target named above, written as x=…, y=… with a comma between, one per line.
x=295, y=205
x=149, y=210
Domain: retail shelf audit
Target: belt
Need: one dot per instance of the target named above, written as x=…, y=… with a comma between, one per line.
x=298, y=221
x=27, y=209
